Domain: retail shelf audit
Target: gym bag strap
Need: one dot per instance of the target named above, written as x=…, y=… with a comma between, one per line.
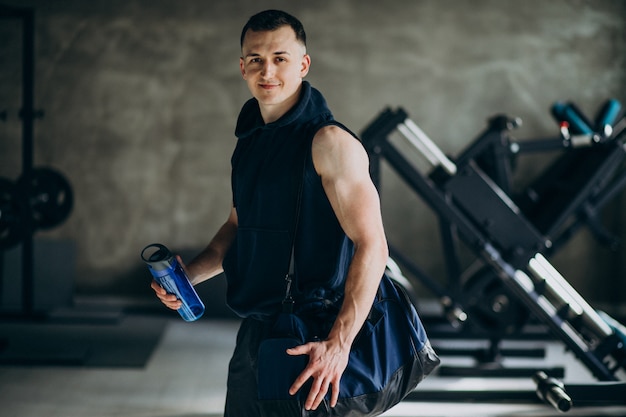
x=389, y=357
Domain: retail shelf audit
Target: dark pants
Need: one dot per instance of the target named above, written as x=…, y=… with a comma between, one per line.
x=241, y=395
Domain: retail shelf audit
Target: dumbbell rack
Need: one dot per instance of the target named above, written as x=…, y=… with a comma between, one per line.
x=472, y=206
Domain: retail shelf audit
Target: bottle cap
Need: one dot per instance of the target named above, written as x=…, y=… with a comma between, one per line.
x=157, y=256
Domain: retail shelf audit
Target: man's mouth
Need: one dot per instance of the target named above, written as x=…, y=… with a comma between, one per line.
x=268, y=86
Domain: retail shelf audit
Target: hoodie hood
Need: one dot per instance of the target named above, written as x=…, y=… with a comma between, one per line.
x=311, y=103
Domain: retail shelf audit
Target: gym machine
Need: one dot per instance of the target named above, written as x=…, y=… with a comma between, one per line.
x=511, y=237
x=41, y=198
x=576, y=186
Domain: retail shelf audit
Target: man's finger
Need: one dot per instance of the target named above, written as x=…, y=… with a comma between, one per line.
x=321, y=394
x=306, y=373
x=299, y=350
x=334, y=397
x=300, y=380
x=169, y=300
x=311, y=399
x=157, y=288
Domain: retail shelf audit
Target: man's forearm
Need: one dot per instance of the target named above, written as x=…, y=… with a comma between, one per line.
x=209, y=262
x=366, y=269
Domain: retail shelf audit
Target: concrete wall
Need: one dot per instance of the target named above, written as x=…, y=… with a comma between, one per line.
x=141, y=97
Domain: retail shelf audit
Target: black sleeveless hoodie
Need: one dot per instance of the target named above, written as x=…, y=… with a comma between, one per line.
x=267, y=167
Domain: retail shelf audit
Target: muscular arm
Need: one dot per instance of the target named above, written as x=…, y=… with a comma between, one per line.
x=207, y=264
x=342, y=163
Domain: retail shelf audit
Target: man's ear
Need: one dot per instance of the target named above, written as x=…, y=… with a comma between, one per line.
x=306, y=64
x=242, y=68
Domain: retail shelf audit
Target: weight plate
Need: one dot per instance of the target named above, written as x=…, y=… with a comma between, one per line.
x=50, y=196
x=491, y=307
x=13, y=212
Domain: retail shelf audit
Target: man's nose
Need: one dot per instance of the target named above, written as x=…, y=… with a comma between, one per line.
x=268, y=69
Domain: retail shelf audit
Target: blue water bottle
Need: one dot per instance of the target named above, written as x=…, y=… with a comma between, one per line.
x=170, y=275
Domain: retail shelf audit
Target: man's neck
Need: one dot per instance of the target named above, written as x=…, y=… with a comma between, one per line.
x=272, y=112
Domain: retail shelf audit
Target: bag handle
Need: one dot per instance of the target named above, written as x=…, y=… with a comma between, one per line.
x=288, y=301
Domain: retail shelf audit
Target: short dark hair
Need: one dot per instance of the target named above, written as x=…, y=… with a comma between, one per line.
x=271, y=20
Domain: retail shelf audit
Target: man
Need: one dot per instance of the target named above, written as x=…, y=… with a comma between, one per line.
x=340, y=245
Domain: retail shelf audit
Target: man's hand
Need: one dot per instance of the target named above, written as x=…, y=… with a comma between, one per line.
x=169, y=300
x=327, y=362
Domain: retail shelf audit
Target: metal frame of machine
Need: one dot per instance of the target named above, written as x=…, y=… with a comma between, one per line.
x=470, y=196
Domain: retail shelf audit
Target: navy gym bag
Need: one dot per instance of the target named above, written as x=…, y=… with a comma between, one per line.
x=389, y=357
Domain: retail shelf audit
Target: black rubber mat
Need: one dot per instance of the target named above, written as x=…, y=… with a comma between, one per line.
x=126, y=341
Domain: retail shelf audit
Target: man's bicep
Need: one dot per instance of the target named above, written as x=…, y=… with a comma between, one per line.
x=344, y=169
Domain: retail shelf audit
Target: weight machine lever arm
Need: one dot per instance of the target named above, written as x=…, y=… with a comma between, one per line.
x=426, y=146
x=542, y=269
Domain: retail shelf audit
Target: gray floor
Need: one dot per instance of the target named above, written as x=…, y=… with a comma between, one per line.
x=185, y=377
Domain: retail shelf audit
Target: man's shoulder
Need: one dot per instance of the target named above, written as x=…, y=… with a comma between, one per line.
x=334, y=131
x=332, y=143
x=331, y=132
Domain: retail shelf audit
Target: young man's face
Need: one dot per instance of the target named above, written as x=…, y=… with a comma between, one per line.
x=273, y=64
